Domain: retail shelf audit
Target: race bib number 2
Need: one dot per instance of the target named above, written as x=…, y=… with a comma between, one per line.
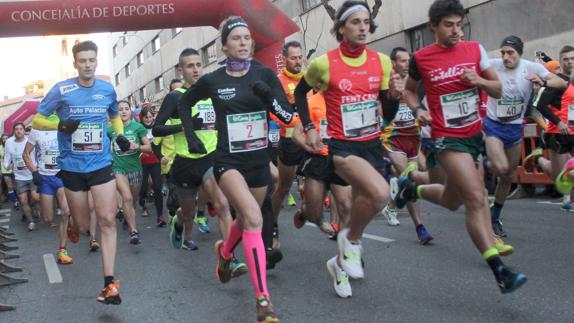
x=88, y=137
x=247, y=131
x=360, y=119
x=460, y=109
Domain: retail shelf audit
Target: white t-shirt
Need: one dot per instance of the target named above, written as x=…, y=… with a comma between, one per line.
x=13, y=155
x=516, y=91
x=46, y=145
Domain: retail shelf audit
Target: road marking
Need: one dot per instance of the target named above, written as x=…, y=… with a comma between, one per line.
x=54, y=275
x=550, y=202
x=365, y=235
x=4, y=220
x=5, y=211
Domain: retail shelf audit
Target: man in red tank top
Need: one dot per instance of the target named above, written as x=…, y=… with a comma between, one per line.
x=453, y=73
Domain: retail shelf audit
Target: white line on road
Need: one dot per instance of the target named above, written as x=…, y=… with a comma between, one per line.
x=365, y=235
x=550, y=202
x=54, y=275
x=5, y=211
x=4, y=220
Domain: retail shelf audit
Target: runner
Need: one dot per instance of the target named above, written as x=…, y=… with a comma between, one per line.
x=25, y=187
x=127, y=167
x=453, y=72
x=356, y=82
x=401, y=139
x=83, y=105
x=45, y=143
x=8, y=177
x=505, y=119
x=242, y=93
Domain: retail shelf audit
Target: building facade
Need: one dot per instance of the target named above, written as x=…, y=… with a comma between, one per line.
x=144, y=61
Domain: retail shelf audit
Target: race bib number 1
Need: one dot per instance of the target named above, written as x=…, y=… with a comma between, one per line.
x=247, y=131
x=360, y=119
x=88, y=137
x=460, y=109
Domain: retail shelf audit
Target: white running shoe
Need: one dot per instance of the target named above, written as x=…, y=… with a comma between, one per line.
x=350, y=255
x=340, y=279
x=391, y=216
x=31, y=226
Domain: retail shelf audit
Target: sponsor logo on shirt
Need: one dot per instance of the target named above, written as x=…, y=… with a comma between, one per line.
x=68, y=88
x=374, y=82
x=345, y=85
x=226, y=94
x=453, y=73
x=98, y=97
x=359, y=98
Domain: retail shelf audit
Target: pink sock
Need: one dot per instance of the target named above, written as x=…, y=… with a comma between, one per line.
x=231, y=241
x=256, y=261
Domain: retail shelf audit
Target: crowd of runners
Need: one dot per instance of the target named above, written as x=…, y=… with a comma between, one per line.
x=361, y=132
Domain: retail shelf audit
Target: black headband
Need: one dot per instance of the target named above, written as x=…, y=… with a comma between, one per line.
x=514, y=42
x=229, y=26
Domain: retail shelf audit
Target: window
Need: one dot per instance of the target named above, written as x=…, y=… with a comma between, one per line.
x=128, y=70
x=155, y=44
x=143, y=94
x=176, y=31
x=159, y=84
x=115, y=50
x=117, y=79
x=125, y=38
x=310, y=4
x=140, y=58
x=209, y=53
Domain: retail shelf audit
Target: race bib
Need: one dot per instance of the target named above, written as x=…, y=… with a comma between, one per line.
x=274, y=135
x=509, y=110
x=207, y=113
x=360, y=119
x=19, y=163
x=571, y=115
x=51, y=159
x=404, y=117
x=88, y=137
x=247, y=131
x=323, y=129
x=460, y=109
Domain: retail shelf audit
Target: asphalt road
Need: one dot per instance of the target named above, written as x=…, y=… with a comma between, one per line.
x=446, y=281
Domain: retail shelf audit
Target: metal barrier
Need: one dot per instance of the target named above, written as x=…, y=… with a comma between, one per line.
x=531, y=133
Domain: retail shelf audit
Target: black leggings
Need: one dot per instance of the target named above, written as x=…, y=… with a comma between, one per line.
x=153, y=170
x=268, y=220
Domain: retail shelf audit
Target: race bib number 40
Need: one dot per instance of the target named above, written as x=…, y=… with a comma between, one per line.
x=460, y=109
x=88, y=137
x=360, y=119
x=509, y=110
x=247, y=131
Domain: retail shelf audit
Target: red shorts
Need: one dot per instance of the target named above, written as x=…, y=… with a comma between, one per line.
x=408, y=145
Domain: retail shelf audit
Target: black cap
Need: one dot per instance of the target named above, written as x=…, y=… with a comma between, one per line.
x=514, y=42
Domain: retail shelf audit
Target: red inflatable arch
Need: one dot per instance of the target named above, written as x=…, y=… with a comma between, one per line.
x=269, y=25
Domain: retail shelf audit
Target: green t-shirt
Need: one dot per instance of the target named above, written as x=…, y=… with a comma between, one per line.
x=129, y=161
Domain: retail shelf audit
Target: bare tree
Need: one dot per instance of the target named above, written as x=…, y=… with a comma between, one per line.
x=331, y=11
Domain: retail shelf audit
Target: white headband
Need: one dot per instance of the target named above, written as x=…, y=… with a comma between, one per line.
x=352, y=10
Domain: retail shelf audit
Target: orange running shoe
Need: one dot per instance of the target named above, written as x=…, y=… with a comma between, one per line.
x=72, y=234
x=63, y=257
x=110, y=294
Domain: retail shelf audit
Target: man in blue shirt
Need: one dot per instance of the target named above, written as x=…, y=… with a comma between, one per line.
x=84, y=105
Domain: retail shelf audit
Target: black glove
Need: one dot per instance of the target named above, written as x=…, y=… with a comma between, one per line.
x=68, y=126
x=195, y=146
x=123, y=143
x=36, y=178
x=197, y=123
x=262, y=90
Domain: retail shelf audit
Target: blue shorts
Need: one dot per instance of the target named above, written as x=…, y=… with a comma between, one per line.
x=50, y=185
x=510, y=134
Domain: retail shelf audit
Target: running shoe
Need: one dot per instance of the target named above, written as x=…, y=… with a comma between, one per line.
x=72, y=234
x=391, y=216
x=175, y=232
x=497, y=228
x=189, y=245
x=503, y=249
x=291, y=200
x=110, y=294
x=351, y=255
x=31, y=226
x=161, y=222
x=403, y=190
x=223, y=269
x=568, y=207
x=529, y=162
x=507, y=280
x=145, y=212
x=237, y=268
x=326, y=228
x=202, y=224
x=424, y=236
x=273, y=257
x=135, y=237
x=563, y=184
x=94, y=245
x=411, y=167
x=340, y=279
x=298, y=219
x=63, y=257
x=265, y=312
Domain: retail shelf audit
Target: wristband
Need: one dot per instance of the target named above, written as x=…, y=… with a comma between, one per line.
x=308, y=127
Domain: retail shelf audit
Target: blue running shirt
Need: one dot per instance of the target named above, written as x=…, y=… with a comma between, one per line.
x=87, y=149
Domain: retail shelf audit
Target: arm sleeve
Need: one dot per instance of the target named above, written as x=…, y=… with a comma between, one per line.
x=414, y=70
x=279, y=104
x=301, y=100
x=156, y=150
x=387, y=68
x=390, y=106
x=117, y=124
x=167, y=110
x=41, y=122
x=193, y=95
x=542, y=101
x=484, y=62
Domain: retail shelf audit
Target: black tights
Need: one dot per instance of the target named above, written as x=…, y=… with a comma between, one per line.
x=153, y=170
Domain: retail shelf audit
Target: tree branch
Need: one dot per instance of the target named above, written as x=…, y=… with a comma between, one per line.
x=330, y=10
x=377, y=7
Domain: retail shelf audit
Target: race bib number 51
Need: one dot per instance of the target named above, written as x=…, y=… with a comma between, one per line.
x=247, y=131
x=88, y=137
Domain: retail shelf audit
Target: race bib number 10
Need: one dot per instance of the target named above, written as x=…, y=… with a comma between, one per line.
x=247, y=131
x=460, y=109
x=88, y=137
